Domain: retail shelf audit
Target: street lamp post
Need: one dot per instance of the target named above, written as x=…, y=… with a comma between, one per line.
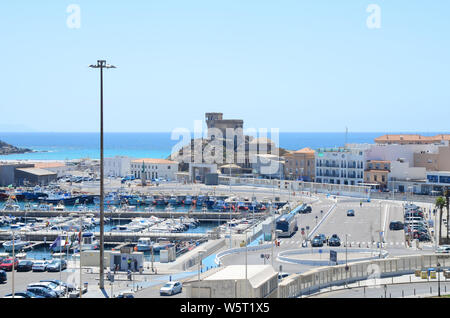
x=346, y=265
x=438, y=265
x=101, y=64
x=200, y=253
x=381, y=243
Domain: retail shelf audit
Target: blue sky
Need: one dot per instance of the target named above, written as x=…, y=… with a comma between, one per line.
x=296, y=65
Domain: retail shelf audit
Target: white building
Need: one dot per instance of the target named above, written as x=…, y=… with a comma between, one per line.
x=235, y=281
x=154, y=169
x=340, y=166
x=393, y=152
x=118, y=166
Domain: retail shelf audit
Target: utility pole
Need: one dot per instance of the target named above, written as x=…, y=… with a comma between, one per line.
x=12, y=271
x=101, y=64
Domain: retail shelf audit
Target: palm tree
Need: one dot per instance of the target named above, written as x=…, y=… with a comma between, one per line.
x=440, y=203
x=447, y=199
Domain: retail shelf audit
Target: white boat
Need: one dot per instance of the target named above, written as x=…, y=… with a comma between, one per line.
x=18, y=245
x=161, y=245
x=11, y=205
x=89, y=242
x=60, y=207
x=144, y=244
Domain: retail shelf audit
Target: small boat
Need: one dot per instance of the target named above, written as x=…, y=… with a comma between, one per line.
x=187, y=200
x=11, y=205
x=161, y=201
x=18, y=245
x=161, y=245
x=89, y=242
x=144, y=244
x=60, y=207
x=173, y=200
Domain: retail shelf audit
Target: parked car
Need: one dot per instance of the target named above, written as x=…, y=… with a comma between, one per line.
x=334, y=240
x=3, y=276
x=69, y=287
x=443, y=249
x=56, y=265
x=396, y=225
x=39, y=266
x=59, y=290
x=126, y=294
x=323, y=238
x=350, y=212
x=308, y=209
x=8, y=263
x=24, y=265
x=42, y=291
x=171, y=288
x=24, y=294
x=282, y=275
x=317, y=241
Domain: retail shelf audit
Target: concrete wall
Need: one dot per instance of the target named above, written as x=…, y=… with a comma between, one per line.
x=7, y=173
x=311, y=281
x=92, y=258
x=434, y=161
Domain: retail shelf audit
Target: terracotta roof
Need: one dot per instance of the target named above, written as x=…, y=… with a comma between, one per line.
x=412, y=138
x=155, y=161
x=305, y=150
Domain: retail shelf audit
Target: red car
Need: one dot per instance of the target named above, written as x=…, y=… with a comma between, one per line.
x=7, y=264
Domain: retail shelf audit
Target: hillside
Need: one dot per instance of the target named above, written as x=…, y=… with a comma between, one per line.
x=7, y=149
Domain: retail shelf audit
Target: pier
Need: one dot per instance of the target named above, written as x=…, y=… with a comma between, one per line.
x=199, y=215
x=110, y=237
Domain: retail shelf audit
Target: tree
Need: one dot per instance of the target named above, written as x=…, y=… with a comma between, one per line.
x=447, y=194
x=440, y=203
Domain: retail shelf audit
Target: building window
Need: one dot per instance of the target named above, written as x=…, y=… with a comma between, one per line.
x=444, y=179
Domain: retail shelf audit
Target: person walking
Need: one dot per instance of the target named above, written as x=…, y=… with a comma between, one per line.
x=135, y=265
x=129, y=264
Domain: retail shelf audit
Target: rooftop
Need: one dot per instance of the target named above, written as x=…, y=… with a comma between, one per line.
x=256, y=274
x=154, y=161
x=37, y=171
x=43, y=165
x=306, y=151
x=411, y=138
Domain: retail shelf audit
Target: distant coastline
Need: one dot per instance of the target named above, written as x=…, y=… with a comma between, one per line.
x=69, y=146
x=7, y=149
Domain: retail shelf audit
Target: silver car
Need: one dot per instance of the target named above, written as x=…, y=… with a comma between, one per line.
x=171, y=288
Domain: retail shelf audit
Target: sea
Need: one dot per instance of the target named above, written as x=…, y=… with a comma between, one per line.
x=67, y=146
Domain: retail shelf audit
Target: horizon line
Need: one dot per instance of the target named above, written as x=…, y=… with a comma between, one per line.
x=166, y=132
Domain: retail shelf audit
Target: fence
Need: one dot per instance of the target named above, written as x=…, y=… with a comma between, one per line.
x=312, y=281
x=313, y=187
